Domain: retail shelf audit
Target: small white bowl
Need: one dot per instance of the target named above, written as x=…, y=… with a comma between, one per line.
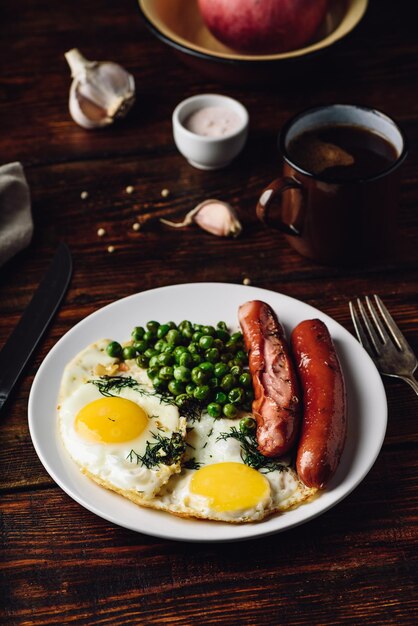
x=209, y=153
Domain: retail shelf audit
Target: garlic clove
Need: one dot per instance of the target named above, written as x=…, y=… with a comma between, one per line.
x=216, y=217
x=100, y=92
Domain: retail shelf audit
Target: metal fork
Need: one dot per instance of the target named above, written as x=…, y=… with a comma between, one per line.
x=382, y=339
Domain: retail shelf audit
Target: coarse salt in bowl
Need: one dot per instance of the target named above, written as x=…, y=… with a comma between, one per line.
x=210, y=130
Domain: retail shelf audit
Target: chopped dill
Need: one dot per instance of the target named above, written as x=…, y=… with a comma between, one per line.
x=192, y=464
x=166, y=450
x=191, y=409
x=250, y=454
x=111, y=386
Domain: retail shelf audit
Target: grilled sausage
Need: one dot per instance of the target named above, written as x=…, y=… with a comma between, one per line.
x=324, y=422
x=276, y=404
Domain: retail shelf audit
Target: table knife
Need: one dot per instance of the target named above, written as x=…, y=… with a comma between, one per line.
x=25, y=337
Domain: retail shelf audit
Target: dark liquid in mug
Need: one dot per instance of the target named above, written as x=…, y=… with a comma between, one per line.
x=342, y=152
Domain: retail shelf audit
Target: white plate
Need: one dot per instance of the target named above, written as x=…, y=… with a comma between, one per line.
x=205, y=303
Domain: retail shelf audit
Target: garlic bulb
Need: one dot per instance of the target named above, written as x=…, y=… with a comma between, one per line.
x=214, y=216
x=100, y=91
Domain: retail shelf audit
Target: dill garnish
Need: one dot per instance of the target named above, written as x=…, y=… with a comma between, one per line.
x=191, y=409
x=250, y=454
x=165, y=450
x=110, y=386
x=192, y=464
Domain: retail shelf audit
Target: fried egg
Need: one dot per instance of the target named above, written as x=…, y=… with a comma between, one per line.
x=116, y=428
x=216, y=484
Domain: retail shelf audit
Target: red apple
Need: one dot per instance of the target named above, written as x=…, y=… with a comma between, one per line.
x=263, y=26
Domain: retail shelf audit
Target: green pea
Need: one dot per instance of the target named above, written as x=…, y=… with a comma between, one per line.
x=196, y=337
x=213, y=382
x=220, y=369
x=182, y=399
x=162, y=330
x=218, y=343
x=227, y=382
x=173, y=336
x=231, y=346
x=214, y=409
x=137, y=333
x=199, y=376
x=153, y=362
x=236, y=395
x=185, y=359
x=128, y=352
x=175, y=387
x=172, y=325
x=196, y=358
x=201, y=392
x=212, y=355
x=166, y=372
x=236, y=370
x=114, y=349
x=226, y=356
x=185, y=324
x=245, y=379
x=209, y=330
x=152, y=327
x=205, y=342
x=187, y=332
x=182, y=373
x=169, y=348
x=140, y=346
x=142, y=360
x=165, y=358
x=153, y=372
x=223, y=335
x=148, y=337
x=230, y=410
x=237, y=337
x=247, y=425
x=221, y=397
x=160, y=345
x=190, y=389
x=207, y=366
x=193, y=348
x=149, y=352
x=159, y=384
x=222, y=326
x=178, y=350
x=197, y=328
x=241, y=358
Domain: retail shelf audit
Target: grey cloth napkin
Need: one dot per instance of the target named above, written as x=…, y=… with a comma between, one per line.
x=16, y=225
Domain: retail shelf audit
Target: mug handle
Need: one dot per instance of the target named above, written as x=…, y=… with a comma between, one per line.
x=276, y=188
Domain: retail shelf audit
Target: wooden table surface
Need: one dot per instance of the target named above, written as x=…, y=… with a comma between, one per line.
x=355, y=564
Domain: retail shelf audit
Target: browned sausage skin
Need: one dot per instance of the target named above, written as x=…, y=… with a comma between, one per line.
x=324, y=422
x=276, y=406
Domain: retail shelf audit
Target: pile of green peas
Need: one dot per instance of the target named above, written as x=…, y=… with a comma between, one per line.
x=189, y=360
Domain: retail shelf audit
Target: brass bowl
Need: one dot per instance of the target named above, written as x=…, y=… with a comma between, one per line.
x=179, y=24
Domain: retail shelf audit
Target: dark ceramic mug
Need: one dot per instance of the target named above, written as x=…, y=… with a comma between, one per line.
x=330, y=221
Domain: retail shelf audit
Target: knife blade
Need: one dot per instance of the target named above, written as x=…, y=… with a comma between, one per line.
x=25, y=337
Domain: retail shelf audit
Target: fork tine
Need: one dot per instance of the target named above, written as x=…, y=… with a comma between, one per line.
x=394, y=329
x=382, y=330
x=361, y=335
x=372, y=333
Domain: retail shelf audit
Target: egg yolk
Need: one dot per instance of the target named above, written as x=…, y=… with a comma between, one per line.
x=111, y=420
x=230, y=486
